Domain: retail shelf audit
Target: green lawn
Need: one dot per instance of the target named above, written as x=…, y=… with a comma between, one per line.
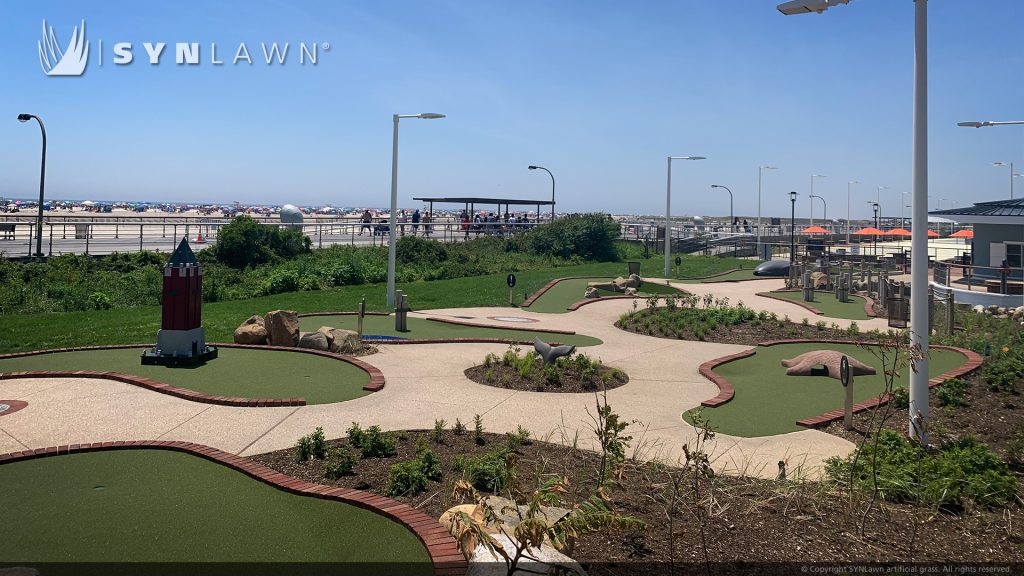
x=768, y=402
x=139, y=325
x=829, y=304
x=422, y=328
x=161, y=506
x=235, y=372
x=568, y=292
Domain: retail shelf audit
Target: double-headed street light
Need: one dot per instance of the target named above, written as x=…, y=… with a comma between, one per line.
x=986, y=124
x=848, y=186
x=668, y=207
x=792, y=228
x=824, y=207
x=552, y=188
x=42, y=182
x=392, y=222
x=811, y=199
x=1012, y=175
x=730, y=200
x=759, y=170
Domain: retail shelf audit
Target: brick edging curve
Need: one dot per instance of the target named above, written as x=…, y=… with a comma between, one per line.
x=533, y=297
x=869, y=304
x=308, y=314
x=376, y=376
x=581, y=303
x=411, y=341
x=442, y=548
x=727, y=392
x=516, y=328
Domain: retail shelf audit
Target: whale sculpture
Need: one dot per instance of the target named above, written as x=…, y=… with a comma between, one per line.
x=551, y=353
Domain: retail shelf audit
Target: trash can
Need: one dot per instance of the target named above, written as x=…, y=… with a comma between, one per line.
x=634, y=268
x=82, y=231
x=898, y=311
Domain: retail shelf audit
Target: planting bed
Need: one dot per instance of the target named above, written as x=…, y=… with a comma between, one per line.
x=576, y=374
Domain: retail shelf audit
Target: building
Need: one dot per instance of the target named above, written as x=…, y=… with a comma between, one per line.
x=998, y=235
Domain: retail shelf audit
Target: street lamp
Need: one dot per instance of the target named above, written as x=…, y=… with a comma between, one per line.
x=813, y=176
x=903, y=204
x=552, y=188
x=1010, y=164
x=848, y=186
x=876, y=207
x=987, y=124
x=42, y=183
x=824, y=207
x=792, y=228
x=392, y=222
x=730, y=201
x=668, y=207
x=759, y=170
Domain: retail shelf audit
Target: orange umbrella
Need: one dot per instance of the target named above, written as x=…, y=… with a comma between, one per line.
x=963, y=234
x=869, y=231
x=898, y=232
x=814, y=230
x=933, y=234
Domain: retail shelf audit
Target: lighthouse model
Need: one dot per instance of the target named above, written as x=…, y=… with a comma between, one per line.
x=181, y=340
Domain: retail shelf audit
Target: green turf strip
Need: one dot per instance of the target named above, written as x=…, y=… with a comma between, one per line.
x=768, y=402
x=243, y=373
x=559, y=297
x=161, y=506
x=730, y=277
x=423, y=328
x=829, y=304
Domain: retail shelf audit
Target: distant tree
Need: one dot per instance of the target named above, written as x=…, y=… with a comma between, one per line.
x=246, y=243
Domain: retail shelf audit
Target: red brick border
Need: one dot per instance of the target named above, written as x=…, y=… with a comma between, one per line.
x=307, y=314
x=411, y=341
x=517, y=328
x=526, y=303
x=376, y=376
x=726, y=391
x=441, y=546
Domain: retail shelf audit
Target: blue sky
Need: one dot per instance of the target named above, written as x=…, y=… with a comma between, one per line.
x=598, y=91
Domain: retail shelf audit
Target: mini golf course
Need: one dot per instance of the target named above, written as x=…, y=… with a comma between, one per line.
x=557, y=298
x=828, y=304
x=162, y=506
x=767, y=402
x=237, y=372
x=422, y=329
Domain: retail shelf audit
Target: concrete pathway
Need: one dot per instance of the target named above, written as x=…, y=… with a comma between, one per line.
x=426, y=382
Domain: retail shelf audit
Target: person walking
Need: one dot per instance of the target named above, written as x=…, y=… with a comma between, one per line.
x=415, y=221
x=365, y=222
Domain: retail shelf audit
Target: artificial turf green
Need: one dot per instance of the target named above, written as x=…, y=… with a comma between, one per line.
x=423, y=328
x=243, y=373
x=732, y=276
x=829, y=304
x=162, y=506
x=559, y=297
x=768, y=402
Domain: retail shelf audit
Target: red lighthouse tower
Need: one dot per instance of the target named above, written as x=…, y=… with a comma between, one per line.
x=181, y=339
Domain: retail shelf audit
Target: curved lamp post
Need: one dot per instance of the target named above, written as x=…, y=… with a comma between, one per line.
x=1010, y=165
x=668, y=207
x=792, y=227
x=730, y=200
x=759, y=170
x=552, y=188
x=824, y=207
x=848, y=186
x=42, y=182
x=392, y=232
x=811, y=199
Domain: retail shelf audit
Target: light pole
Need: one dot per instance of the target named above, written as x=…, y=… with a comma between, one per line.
x=848, y=186
x=824, y=207
x=759, y=170
x=42, y=183
x=903, y=204
x=876, y=207
x=792, y=228
x=668, y=207
x=552, y=188
x=730, y=201
x=1010, y=164
x=811, y=199
x=392, y=222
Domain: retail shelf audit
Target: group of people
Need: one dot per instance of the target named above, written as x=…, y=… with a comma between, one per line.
x=485, y=223
x=383, y=226
x=491, y=223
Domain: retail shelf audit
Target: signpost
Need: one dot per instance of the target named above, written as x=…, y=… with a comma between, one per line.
x=846, y=378
x=511, y=281
x=678, y=262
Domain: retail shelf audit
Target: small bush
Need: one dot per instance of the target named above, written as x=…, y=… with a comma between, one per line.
x=437, y=435
x=311, y=446
x=409, y=478
x=900, y=398
x=492, y=472
x=521, y=437
x=478, y=430
x=458, y=428
x=377, y=444
x=99, y=301
x=551, y=374
x=341, y=463
x=355, y=435
x=303, y=449
x=952, y=392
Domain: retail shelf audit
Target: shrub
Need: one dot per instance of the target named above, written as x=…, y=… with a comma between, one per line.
x=458, y=428
x=478, y=430
x=246, y=243
x=951, y=392
x=318, y=446
x=551, y=374
x=341, y=463
x=586, y=237
x=900, y=398
x=965, y=470
x=492, y=472
x=438, y=433
x=520, y=437
x=303, y=449
x=409, y=478
x=355, y=435
x=377, y=444
x=99, y=301
x=1002, y=372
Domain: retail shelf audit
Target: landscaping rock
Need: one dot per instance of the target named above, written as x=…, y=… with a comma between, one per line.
x=282, y=327
x=328, y=333
x=313, y=341
x=620, y=284
x=252, y=331
x=631, y=291
x=345, y=341
x=993, y=310
x=505, y=510
x=591, y=293
x=978, y=309
x=486, y=563
x=634, y=281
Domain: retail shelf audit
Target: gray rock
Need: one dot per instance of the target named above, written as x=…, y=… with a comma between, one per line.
x=631, y=291
x=313, y=340
x=634, y=281
x=282, y=327
x=252, y=331
x=978, y=308
x=591, y=293
x=345, y=341
x=483, y=562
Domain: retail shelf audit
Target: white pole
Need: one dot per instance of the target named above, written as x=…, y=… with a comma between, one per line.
x=392, y=221
x=848, y=186
x=668, y=212
x=811, y=200
x=760, y=169
x=919, y=235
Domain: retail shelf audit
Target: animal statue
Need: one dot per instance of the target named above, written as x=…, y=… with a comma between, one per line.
x=804, y=364
x=551, y=353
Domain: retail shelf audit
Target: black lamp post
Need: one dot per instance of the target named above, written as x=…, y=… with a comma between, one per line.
x=792, y=227
x=875, y=206
x=552, y=189
x=42, y=183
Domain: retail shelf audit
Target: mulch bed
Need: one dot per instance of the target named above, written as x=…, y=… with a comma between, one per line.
x=751, y=334
x=752, y=523
x=570, y=380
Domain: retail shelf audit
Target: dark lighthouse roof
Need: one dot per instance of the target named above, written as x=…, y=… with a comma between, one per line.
x=183, y=255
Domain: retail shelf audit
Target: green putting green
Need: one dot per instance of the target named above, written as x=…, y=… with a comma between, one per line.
x=768, y=402
x=730, y=277
x=559, y=297
x=162, y=506
x=423, y=329
x=236, y=372
x=829, y=304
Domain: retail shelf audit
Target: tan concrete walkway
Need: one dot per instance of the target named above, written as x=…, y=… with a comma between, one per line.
x=426, y=382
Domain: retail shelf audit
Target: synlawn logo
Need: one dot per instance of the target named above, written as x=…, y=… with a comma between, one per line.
x=72, y=60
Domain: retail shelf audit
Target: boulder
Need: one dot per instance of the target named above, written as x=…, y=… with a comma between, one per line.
x=978, y=308
x=313, y=341
x=328, y=333
x=345, y=341
x=282, y=327
x=252, y=331
x=591, y=293
x=631, y=291
x=620, y=284
x=993, y=309
x=483, y=562
x=635, y=281
x=819, y=279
